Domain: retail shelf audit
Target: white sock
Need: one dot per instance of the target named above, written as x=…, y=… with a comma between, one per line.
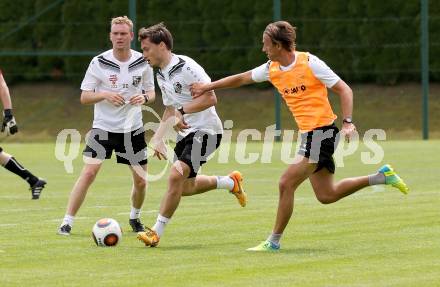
x=68, y=219
x=161, y=222
x=275, y=238
x=135, y=213
x=225, y=182
x=378, y=178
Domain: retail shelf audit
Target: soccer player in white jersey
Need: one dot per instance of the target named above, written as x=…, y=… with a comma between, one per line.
x=117, y=82
x=303, y=79
x=9, y=126
x=199, y=127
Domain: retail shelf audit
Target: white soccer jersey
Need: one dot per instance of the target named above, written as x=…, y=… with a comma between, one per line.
x=107, y=74
x=174, y=82
x=320, y=69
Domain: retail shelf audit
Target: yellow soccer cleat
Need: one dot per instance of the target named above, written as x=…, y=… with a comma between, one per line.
x=391, y=178
x=149, y=237
x=265, y=246
x=238, y=189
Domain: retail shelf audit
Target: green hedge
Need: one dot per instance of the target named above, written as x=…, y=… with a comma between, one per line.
x=363, y=41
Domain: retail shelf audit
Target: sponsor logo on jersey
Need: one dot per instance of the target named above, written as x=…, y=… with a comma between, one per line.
x=113, y=79
x=294, y=90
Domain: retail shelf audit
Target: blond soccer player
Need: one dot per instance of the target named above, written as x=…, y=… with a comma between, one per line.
x=303, y=79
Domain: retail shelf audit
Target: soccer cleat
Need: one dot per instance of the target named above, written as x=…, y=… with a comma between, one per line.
x=149, y=237
x=238, y=189
x=64, y=230
x=37, y=188
x=136, y=225
x=391, y=178
x=265, y=246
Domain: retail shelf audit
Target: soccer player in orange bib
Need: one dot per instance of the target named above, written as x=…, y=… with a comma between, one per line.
x=302, y=79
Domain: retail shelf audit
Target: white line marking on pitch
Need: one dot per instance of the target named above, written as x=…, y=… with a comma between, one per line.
x=8, y=224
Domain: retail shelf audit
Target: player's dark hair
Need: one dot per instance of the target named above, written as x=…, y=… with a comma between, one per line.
x=156, y=34
x=282, y=33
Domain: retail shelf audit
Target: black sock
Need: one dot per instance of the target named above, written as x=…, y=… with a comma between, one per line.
x=13, y=166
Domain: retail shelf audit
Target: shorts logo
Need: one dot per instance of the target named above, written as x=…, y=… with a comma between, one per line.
x=177, y=87
x=136, y=80
x=113, y=79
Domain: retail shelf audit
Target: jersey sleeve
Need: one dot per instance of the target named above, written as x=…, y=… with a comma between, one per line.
x=194, y=73
x=261, y=73
x=91, y=78
x=148, y=79
x=322, y=72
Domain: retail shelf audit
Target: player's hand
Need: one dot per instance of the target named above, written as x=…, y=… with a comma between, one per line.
x=179, y=122
x=138, y=100
x=9, y=124
x=198, y=89
x=115, y=99
x=160, y=149
x=348, y=129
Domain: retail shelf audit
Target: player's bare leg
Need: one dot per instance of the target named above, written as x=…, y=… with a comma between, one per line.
x=137, y=196
x=327, y=191
x=78, y=194
x=292, y=177
x=79, y=191
x=139, y=185
x=199, y=184
x=176, y=183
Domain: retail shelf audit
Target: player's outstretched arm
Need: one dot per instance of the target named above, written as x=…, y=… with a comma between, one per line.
x=234, y=81
x=201, y=103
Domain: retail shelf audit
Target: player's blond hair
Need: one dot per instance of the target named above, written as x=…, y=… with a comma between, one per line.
x=282, y=33
x=122, y=20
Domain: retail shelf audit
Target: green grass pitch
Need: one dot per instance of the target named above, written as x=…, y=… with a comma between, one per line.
x=377, y=237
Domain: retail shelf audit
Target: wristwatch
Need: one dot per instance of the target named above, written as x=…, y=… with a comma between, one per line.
x=180, y=109
x=348, y=120
x=146, y=99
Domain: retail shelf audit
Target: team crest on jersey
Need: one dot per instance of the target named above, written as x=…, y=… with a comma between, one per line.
x=113, y=79
x=136, y=80
x=177, y=87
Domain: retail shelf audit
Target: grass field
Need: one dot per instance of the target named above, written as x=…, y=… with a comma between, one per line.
x=377, y=237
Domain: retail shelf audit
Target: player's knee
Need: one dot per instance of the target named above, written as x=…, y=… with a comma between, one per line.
x=288, y=184
x=89, y=175
x=175, y=178
x=283, y=185
x=140, y=183
x=325, y=199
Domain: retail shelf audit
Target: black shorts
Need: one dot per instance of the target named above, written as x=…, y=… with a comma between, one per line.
x=195, y=148
x=130, y=148
x=319, y=145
